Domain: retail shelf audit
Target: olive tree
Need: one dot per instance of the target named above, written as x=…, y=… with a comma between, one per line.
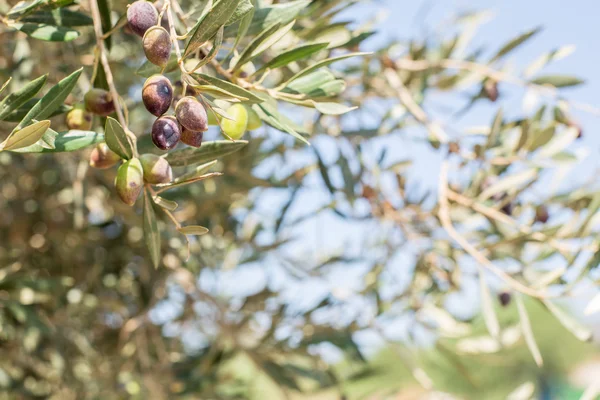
x=163, y=162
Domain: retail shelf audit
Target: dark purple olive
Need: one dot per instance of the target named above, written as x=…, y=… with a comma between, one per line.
x=141, y=16
x=191, y=138
x=191, y=114
x=166, y=132
x=504, y=298
x=541, y=214
x=157, y=95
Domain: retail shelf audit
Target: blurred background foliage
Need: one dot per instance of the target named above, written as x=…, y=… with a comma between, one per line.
x=329, y=271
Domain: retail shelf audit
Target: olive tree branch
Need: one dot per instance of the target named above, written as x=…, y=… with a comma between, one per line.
x=482, y=260
x=489, y=72
x=109, y=77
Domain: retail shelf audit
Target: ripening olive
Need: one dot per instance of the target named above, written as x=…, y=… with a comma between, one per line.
x=235, y=128
x=141, y=16
x=157, y=45
x=130, y=181
x=254, y=121
x=157, y=94
x=102, y=157
x=541, y=214
x=80, y=119
x=99, y=102
x=191, y=114
x=156, y=169
x=504, y=298
x=166, y=132
x=191, y=138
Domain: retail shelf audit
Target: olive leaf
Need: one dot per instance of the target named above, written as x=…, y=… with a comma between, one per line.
x=209, y=151
x=266, y=17
x=261, y=43
x=164, y=203
x=296, y=54
x=233, y=89
x=321, y=64
x=527, y=331
x=50, y=33
x=66, y=141
x=558, y=81
x=20, y=97
x=104, y=9
x=18, y=114
x=116, y=139
x=52, y=100
x=332, y=108
x=209, y=24
x=59, y=17
x=242, y=9
x=26, y=136
x=151, y=233
x=193, y=230
x=5, y=85
x=514, y=43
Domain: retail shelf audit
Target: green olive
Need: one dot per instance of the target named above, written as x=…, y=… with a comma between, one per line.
x=235, y=128
x=254, y=121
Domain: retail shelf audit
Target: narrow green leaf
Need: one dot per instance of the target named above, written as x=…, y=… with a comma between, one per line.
x=197, y=178
x=229, y=87
x=26, y=136
x=49, y=33
x=527, y=332
x=273, y=118
x=242, y=28
x=262, y=42
x=487, y=307
x=321, y=64
x=559, y=81
x=20, y=97
x=59, y=17
x=208, y=26
x=164, y=203
x=193, y=230
x=559, y=143
x=311, y=82
x=581, y=332
x=509, y=182
x=23, y=8
x=296, y=54
x=53, y=99
x=217, y=42
x=5, y=84
x=67, y=141
x=198, y=171
x=104, y=8
x=151, y=233
x=514, y=43
x=332, y=108
x=18, y=114
x=116, y=139
x=243, y=8
x=218, y=93
x=266, y=17
x=207, y=152
x=324, y=172
x=495, y=129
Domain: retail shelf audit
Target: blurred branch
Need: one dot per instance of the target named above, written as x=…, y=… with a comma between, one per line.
x=444, y=215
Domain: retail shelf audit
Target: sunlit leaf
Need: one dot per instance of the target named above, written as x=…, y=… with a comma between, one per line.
x=207, y=152
x=20, y=97
x=116, y=139
x=527, y=332
x=193, y=230
x=67, y=141
x=26, y=136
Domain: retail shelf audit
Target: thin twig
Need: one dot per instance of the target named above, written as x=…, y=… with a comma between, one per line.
x=109, y=77
x=411, y=105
